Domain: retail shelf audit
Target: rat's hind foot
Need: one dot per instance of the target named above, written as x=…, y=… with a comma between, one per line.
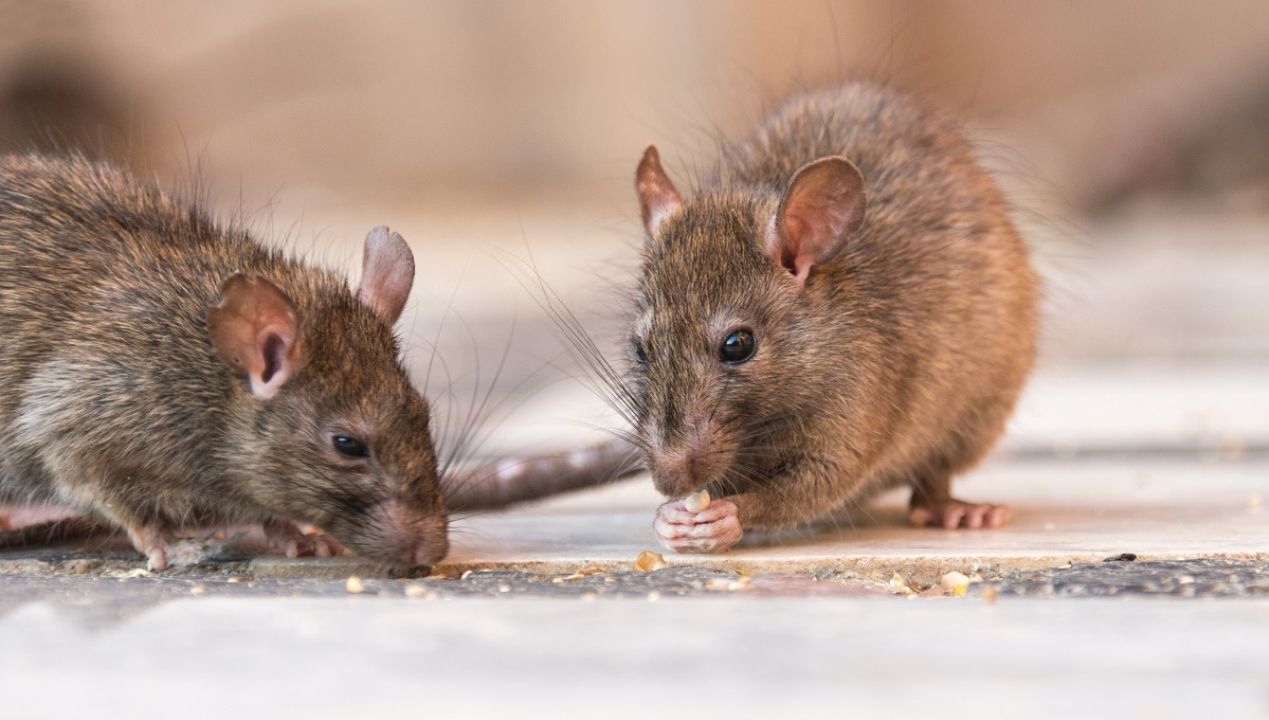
x=714, y=529
x=163, y=549
x=951, y=513
x=286, y=537
x=152, y=542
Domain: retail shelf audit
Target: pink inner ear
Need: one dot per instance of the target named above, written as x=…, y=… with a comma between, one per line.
x=658, y=198
x=387, y=274
x=255, y=331
x=791, y=258
x=823, y=206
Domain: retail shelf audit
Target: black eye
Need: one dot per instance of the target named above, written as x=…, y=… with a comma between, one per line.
x=737, y=347
x=640, y=356
x=350, y=447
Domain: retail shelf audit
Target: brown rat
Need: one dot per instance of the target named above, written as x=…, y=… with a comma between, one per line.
x=161, y=371
x=163, y=374
x=844, y=306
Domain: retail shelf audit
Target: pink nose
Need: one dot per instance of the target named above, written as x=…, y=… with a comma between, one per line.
x=420, y=536
x=676, y=471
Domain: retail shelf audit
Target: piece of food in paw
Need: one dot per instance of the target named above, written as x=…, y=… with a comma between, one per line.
x=697, y=501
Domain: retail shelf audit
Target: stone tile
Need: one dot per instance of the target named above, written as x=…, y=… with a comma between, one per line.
x=1064, y=511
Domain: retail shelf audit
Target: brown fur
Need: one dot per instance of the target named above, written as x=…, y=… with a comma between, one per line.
x=113, y=401
x=898, y=361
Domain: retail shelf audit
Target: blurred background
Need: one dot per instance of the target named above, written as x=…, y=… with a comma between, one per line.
x=501, y=137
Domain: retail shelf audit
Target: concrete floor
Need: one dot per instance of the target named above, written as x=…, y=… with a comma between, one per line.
x=811, y=657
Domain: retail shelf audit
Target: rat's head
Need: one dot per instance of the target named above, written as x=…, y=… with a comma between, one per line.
x=326, y=428
x=729, y=346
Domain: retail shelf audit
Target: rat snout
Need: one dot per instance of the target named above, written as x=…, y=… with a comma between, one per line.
x=675, y=471
x=410, y=533
x=689, y=462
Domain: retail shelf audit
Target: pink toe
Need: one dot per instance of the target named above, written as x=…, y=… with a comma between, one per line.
x=997, y=516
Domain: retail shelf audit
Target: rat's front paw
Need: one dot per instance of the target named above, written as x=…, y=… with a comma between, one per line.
x=286, y=537
x=714, y=529
x=951, y=514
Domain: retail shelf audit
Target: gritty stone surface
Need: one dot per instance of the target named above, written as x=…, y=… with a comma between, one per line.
x=113, y=595
x=1204, y=578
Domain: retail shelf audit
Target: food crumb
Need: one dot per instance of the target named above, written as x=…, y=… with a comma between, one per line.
x=197, y=590
x=899, y=586
x=354, y=585
x=649, y=561
x=415, y=592
x=955, y=583
x=584, y=572
x=989, y=595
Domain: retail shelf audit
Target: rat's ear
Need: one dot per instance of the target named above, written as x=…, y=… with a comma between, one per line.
x=657, y=197
x=387, y=273
x=823, y=206
x=255, y=332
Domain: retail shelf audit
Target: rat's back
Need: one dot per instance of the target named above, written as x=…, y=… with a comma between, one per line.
x=104, y=288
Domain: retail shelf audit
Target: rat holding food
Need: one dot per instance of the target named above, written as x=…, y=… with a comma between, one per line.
x=164, y=372
x=843, y=307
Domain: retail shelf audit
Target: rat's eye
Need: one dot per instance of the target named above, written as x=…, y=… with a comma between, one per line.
x=349, y=447
x=640, y=356
x=737, y=347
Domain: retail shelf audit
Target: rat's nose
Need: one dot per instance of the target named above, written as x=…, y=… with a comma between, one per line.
x=676, y=471
x=430, y=553
x=413, y=534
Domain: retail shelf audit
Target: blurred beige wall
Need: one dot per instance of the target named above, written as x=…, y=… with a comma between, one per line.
x=432, y=102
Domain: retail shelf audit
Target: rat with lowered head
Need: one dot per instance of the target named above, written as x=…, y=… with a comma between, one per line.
x=164, y=372
x=843, y=307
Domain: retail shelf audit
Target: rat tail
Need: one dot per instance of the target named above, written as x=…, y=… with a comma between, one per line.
x=52, y=532
x=518, y=479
